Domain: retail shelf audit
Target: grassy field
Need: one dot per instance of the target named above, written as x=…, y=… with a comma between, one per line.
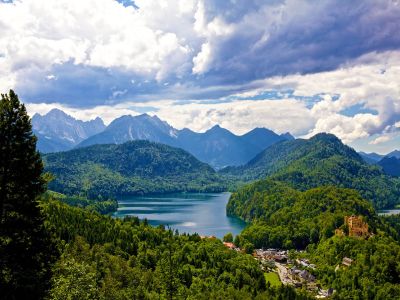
x=272, y=278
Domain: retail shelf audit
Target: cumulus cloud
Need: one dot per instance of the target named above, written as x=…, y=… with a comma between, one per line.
x=174, y=41
x=369, y=82
x=330, y=67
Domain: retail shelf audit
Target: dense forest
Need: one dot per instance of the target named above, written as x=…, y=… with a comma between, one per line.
x=283, y=217
x=133, y=168
x=321, y=160
x=100, y=205
x=105, y=258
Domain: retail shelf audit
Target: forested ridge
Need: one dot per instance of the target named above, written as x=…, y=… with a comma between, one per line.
x=321, y=160
x=288, y=218
x=133, y=168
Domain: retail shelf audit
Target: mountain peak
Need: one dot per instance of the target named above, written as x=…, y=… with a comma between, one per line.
x=62, y=131
x=324, y=136
x=288, y=136
x=395, y=153
x=55, y=112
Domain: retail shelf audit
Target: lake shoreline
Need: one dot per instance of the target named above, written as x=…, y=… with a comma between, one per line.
x=202, y=213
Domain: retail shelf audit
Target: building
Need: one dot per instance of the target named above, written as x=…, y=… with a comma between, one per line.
x=230, y=245
x=357, y=227
x=347, y=261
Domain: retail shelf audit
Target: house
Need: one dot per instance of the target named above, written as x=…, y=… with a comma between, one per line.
x=230, y=245
x=347, y=261
x=304, y=275
x=280, y=258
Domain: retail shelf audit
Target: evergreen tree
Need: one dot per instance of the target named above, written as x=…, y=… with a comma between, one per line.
x=25, y=248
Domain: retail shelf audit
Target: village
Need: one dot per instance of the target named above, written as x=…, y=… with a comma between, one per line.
x=298, y=272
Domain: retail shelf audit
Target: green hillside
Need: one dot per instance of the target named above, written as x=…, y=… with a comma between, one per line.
x=137, y=167
x=283, y=217
x=321, y=160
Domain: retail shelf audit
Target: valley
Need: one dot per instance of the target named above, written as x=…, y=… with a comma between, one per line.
x=199, y=150
x=159, y=211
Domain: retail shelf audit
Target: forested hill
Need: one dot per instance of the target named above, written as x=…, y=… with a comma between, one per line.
x=283, y=217
x=136, y=167
x=321, y=160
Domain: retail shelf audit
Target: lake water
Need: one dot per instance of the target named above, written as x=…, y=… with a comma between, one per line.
x=204, y=213
x=389, y=212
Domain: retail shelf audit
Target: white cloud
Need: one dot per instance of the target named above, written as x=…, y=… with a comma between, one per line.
x=99, y=33
x=380, y=140
x=202, y=61
x=361, y=82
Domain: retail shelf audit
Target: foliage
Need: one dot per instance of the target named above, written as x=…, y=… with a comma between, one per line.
x=286, y=218
x=374, y=273
x=228, y=237
x=121, y=259
x=102, y=206
x=25, y=247
x=133, y=168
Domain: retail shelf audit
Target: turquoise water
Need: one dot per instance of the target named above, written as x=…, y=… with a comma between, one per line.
x=204, y=213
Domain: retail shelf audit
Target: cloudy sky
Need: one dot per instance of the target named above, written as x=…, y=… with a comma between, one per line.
x=298, y=66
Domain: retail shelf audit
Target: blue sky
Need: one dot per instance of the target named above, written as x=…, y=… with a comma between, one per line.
x=298, y=66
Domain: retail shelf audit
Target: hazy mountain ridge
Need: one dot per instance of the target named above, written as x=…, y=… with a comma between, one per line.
x=216, y=146
x=371, y=158
x=390, y=165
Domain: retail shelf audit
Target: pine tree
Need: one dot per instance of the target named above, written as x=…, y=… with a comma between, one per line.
x=25, y=247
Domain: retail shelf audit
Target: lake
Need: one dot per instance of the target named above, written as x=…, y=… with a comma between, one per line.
x=389, y=212
x=204, y=213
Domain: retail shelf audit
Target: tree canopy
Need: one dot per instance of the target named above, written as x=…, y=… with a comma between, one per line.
x=25, y=247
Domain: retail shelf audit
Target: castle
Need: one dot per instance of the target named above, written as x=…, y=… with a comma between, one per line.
x=357, y=227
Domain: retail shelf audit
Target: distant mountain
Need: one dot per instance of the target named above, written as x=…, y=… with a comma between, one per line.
x=390, y=165
x=395, y=153
x=132, y=168
x=319, y=161
x=220, y=147
x=130, y=128
x=57, y=131
x=217, y=146
x=371, y=158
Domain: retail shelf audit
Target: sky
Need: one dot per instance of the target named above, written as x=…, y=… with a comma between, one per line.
x=302, y=67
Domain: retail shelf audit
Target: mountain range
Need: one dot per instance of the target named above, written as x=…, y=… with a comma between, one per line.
x=57, y=131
